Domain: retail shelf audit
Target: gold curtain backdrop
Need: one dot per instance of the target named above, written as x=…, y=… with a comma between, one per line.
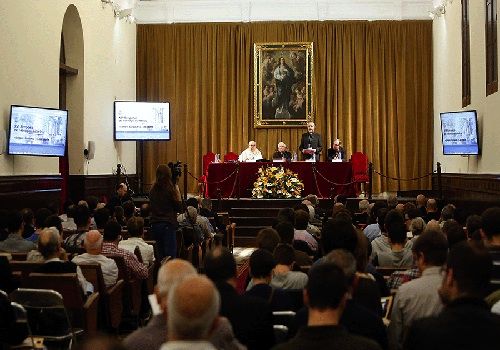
x=372, y=89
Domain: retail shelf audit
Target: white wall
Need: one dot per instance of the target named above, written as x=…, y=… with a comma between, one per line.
x=448, y=88
x=30, y=33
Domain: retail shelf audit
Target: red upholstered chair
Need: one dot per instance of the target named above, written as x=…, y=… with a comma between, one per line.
x=230, y=157
x=202, y=180
x=359, y=163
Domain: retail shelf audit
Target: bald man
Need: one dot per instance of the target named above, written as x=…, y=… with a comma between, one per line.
x=310, y=140
x=93, y=248
x=282, y=153
x=193, y=306
x=154, y=334
x=49, y=245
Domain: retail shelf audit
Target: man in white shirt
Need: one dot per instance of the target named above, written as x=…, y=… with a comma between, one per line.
x=135, y=227
x=419, y=298
x=251, y=154
x=93, y=246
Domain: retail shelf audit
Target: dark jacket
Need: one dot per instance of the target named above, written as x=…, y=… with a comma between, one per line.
x=465, y=323
x=314, y=141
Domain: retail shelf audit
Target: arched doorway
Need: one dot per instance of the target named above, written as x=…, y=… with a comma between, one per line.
x=71, y=97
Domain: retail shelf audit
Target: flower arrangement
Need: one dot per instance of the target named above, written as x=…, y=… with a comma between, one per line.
x=277, y=182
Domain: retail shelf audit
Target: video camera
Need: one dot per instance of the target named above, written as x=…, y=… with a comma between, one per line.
x=176, y=169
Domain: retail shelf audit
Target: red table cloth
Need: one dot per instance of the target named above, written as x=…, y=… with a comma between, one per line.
x=324, y=179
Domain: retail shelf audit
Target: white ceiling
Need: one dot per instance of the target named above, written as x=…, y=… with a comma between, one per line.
x=175, y=11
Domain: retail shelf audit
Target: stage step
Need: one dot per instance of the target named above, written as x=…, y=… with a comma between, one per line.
x=252, y=221
x=245, y=241
x=254, y=212
x=249, y=231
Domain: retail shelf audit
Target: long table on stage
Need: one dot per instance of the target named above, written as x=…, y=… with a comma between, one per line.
x=235, y=180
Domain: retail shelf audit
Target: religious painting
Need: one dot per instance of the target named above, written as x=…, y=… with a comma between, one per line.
x=283, y=78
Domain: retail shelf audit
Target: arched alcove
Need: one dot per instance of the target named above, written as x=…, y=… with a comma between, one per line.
x=71, y=96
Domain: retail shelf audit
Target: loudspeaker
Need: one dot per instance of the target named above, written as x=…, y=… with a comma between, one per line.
x=89, y=152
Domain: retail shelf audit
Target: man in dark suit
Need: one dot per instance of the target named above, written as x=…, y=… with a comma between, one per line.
x=310, y=140
x=466, y=321
x=282, y=153
x=336, y=152
x=250, y=317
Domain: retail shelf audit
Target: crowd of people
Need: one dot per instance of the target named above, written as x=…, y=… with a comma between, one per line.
x=326, y=269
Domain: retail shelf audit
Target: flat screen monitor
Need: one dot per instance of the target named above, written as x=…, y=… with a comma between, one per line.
x=37, y=131
x=141, y=121
x=459, y=132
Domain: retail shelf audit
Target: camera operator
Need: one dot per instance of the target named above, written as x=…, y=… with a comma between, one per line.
x=165, y=203
x=176, y=170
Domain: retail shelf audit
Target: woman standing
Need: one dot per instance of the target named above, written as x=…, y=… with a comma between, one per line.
x=165, y=203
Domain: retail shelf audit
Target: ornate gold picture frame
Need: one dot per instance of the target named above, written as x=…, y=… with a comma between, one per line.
x=283, y=79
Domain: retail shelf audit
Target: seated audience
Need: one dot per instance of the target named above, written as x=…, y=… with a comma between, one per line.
x=283, y=275
x=473, y=226
x=454, y=232
x=381, y=243
x=49, y=245
x=417, y=226
x=301, y=234
x=15, y=242
x=101, y=218
x=128, y=210
x=93, y=247
x=190, y=220
x=119, y=197
x=51, y=221
x=432, y=212
x=421, y=204
x=202, y=221
x=135, y=269
x=268, y=239
x=362, y=216
x=466, y=321
x=399, y=255
x=326, y=295
x=119, y=216
x=419, y=298
x=193, y=306
x=135, y=228
x=447, y=213
x=262, y=264
x=207, y=212
x=154, y=333
x=286, y=231
x=490, y=231
x=375, y=230
x=74, y=242
x=40, y=216
x=68, y=216
x=251, y=317
x=306, y=206
x=356, y=318
x=29, y=222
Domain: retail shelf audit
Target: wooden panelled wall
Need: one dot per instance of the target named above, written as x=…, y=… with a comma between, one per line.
x=372, y=84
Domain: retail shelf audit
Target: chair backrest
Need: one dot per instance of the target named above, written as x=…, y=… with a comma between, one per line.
x=206, y=160
x=66, y=284
x=359, y=163
x=93, y=274
x=230, y=157
x=24, y=267
x=19, y=256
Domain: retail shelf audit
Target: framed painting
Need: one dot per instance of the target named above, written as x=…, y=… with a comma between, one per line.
x=283, y=91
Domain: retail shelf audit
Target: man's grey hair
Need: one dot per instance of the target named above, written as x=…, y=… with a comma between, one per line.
x=363, y=205
x=168, y=275
x=392, y=201
x=195, y=323
x=49, y=247
x=417, y=226
x=344, y=260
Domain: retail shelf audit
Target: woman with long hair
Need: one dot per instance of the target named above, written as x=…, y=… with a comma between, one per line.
x=165, y=203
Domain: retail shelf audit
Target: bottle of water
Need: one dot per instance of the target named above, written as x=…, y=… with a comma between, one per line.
x=294, y=156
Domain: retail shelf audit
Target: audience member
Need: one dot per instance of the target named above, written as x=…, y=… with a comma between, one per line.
x=193, y=305
x=68, y=216
x=301, y=234
x=101, y=218
x=119, y=197
x=326, y=295
x=135, y=228
x=29, y=222
x=286, y=215
x=432, y=212
x=466, y=321
x=286, y=232
x=419, y=298
x=128, y=210
x=154, y=333
x=284, y=277
x=268, y=239
x=15, y=242
x=473, y=227
x=111, y=237
x=362, y=216
x=93, y=247
x=381, y=243
x=417, y=226
x=119, y=216
x=251, y=317
x=421, y=204
x=454, y=232
x=399, y=256
x=82, y=220
x=40, y=216
x=375, y=230
x=490, y=231
x=447, y=213
x=200, y=220
x=49, y=245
